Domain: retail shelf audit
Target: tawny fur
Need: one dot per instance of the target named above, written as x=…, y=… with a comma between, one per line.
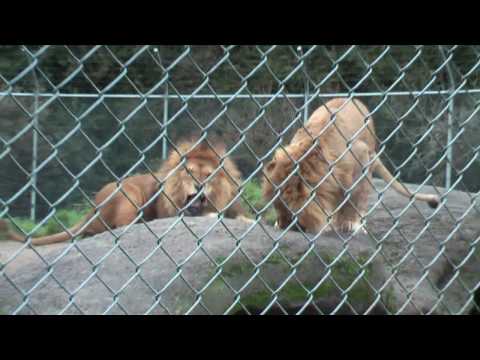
x=202, y=162
x=324, y=169
x=123, y=207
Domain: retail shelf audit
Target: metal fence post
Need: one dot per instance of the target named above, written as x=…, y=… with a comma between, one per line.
x=306, y=87
x=307, y=95
x=165, y=110
x=165, y=120
x=448, y=169
x=33, y=194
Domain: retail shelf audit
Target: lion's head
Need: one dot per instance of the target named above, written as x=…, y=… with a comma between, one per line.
x=290, y=177
x=290, y=169
x=199, y=183
x=197, y=178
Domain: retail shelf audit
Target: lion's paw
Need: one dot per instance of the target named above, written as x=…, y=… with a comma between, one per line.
x=244, y=218
x=351, y=227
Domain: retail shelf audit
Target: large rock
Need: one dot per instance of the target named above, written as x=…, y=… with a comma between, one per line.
x=414, y=260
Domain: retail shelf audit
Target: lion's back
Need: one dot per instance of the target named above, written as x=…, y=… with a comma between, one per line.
x=335, y=132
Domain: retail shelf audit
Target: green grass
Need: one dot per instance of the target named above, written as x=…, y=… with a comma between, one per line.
x=253, y=194
x=68, y=217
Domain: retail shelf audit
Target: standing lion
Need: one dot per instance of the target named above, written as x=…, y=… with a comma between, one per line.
x=328, y=171
x=199, y=185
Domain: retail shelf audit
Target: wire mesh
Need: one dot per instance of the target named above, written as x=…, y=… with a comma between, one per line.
x=75, y=118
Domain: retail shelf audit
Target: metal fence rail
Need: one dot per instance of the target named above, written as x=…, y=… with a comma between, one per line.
x=64, y=119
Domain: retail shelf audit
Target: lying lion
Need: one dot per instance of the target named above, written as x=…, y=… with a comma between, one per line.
x=185, y=189
x=335, y=124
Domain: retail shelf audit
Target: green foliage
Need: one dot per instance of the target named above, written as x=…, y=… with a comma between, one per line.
x=67, y=217
x=253, y=195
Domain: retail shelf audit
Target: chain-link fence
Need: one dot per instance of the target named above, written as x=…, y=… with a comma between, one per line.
x=255, y=140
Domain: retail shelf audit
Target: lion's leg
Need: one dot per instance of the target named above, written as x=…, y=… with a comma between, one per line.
x=349, y=218
x=284, y=216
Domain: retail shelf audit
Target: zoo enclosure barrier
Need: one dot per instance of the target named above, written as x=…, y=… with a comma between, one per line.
x=435, y=86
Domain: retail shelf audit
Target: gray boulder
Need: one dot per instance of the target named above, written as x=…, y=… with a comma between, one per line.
x=413, y=260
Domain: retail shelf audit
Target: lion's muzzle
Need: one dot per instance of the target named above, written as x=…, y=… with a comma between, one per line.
x=197, y=206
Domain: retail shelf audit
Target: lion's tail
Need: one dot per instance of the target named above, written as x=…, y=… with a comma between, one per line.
x=49, y=239
x=381, y=170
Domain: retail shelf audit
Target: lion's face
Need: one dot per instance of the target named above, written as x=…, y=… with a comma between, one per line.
x=282, y=174
x=285, y=179
x=199, y=180
x=197, y=186
x=291, y=183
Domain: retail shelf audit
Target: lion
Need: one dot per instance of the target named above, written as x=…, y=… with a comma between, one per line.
x=194, y=187
x=327, y=171
x=199, y=183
